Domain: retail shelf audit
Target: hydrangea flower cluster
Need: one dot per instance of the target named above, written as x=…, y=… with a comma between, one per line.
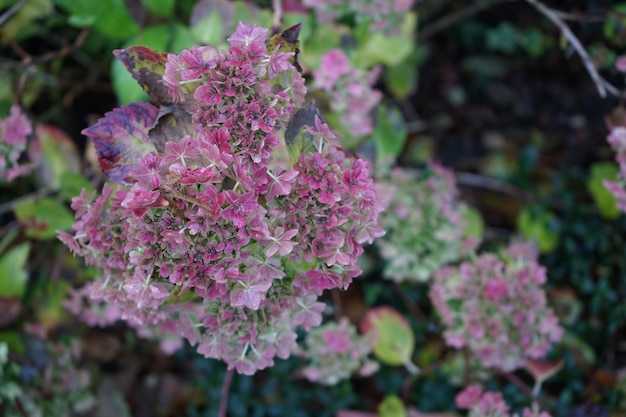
x=617, y=140
x=349, y=91
x=381, y=15
x=424, y=223
x=215, y=241
x=491, y=404
x=14, y=132
x=336, y=351
x=496, y=307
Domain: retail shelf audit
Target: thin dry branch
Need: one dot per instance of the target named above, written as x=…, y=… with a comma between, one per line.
x=456, y=17
x=11, y=11
x=602, y=85
x=49, y=56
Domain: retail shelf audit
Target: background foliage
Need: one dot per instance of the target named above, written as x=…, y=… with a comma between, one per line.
x=490, y=89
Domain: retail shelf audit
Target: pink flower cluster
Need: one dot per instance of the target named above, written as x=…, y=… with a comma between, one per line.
x=490, y=404
x=349, y=91
x=336, y=351
x=424, y=223
x=497, y=308
x=14, y=132
x=215, y=241
x=617, y=140
x=385, y=15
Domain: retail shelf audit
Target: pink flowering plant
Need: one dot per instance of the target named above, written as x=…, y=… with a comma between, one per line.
x=617, y=140
x=377, y=15
x=335, y=351
x=209, y=234
x=15, y=130
x=480, y=403
x=424, y=222
x=496, y=307
x=349, y=91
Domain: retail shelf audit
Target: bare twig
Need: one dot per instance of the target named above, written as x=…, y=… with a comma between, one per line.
x=11, y=11
x=9, y=205
x=579, y=17
x=602, y=85
x=454, y=18
x=487, y=183
x=49, y=56
x=228, y=378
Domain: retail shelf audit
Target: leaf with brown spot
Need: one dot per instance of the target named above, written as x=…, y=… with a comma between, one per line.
x=121, y=137
x=147, y=66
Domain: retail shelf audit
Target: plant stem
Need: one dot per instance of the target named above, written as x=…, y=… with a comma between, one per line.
x=228, y=378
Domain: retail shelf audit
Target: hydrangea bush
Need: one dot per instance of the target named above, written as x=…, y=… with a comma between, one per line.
x=617, y=140
x=496, y=307
x=349, y=91
x=14, y=132
x=482, y=403
x=378, y=15
x=335, y=351
x=424, y=223
x=210, y=236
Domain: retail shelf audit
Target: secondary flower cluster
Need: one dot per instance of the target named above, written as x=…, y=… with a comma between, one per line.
x=336, y=351
x=490, y=404
x=349, y=91
x=385, y=15
x=14, y=132
x=496, y=307
x=424, y=223
x=617, y=140
x=215, y=241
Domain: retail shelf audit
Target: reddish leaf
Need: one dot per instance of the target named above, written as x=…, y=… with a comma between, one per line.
x=147, y=67
x=121, y=137
x=543, y=369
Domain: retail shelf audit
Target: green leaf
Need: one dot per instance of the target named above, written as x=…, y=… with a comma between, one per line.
x=42, y=217
x=391, y=406
x=163, y=8
x=81, y=20
x=22, y=23
x=13, y=340
x=394, y=337
x=110, y=17
x=614, y=23
x=58, y=155
x=605, y=201
x=13, y=275
x=475, y=226
x=126, y=88
x=378, y=48
x=209, y=30
x=143, y=65
x=181, y=38
x=541, y=225
x=390, y=132
x=503, y=38
x=579, y=346
x=72, y=184
x=319, y=44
